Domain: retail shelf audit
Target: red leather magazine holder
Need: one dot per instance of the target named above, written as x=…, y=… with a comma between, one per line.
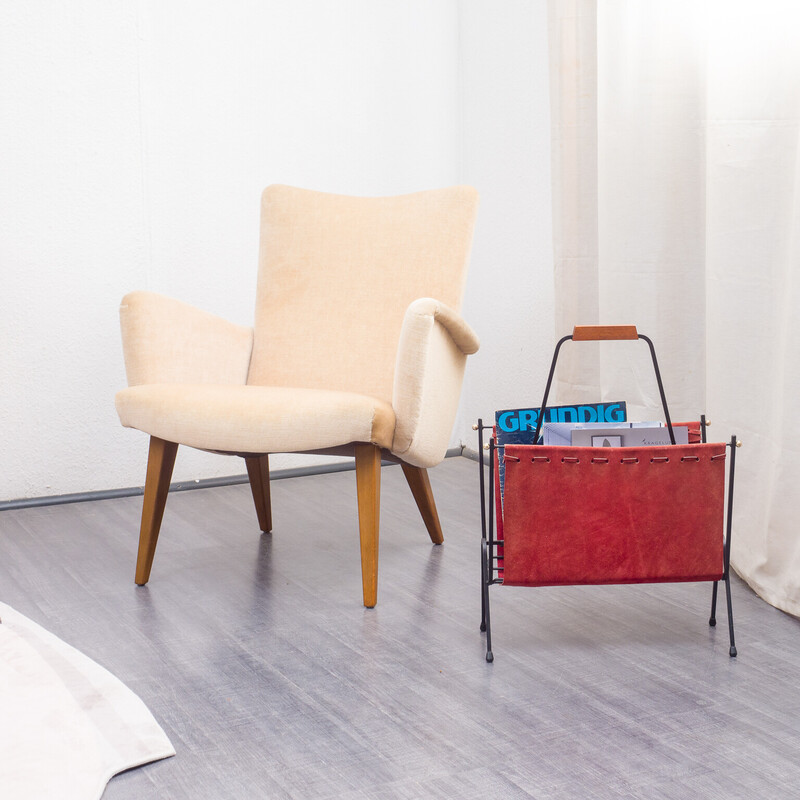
x=607, y=515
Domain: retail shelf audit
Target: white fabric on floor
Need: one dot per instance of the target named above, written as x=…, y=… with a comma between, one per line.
x=66, y=724
x=676, y=167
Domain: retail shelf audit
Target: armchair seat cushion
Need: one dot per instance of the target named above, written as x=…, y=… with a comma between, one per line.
x=255, y=419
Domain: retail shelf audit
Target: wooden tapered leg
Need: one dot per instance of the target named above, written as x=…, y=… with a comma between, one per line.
x=421, y=489
x=258, y=473
x=368, y=484
x=160, y=462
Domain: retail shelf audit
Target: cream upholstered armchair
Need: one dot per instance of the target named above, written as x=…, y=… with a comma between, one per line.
x=357, y=348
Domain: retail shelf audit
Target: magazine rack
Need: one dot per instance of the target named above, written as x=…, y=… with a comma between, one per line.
x=607, y=515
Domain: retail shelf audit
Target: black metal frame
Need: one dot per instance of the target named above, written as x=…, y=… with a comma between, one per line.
x=489, y=558
x=553, y=370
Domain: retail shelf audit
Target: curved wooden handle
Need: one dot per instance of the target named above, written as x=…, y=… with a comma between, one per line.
x=603, y=333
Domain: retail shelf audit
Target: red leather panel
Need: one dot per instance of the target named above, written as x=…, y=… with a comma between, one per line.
x=580, y=515
x=498, y=536
x=694, y=430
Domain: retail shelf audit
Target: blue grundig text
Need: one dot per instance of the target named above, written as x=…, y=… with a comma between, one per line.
x=526, y=418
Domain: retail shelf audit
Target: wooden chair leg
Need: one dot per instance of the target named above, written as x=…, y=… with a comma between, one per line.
x=160, y=462
x=258, y=473
x=420, y=485
x=368, y=484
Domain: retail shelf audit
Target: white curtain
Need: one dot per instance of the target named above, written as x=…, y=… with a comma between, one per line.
x=676, y=164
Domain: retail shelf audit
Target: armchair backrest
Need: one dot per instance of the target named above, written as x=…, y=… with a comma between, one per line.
x=336, y=274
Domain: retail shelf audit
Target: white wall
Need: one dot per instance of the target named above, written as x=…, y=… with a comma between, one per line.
x=505, y=153
x=136, y=136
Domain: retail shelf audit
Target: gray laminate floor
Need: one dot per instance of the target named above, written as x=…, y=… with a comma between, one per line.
x=272, y=681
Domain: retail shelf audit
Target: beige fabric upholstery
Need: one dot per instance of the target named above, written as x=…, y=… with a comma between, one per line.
x=336, y=275
x=433, y=350
x=166, y=341
x=255, y=419
x=348, y=345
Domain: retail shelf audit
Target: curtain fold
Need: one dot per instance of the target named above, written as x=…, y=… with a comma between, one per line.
x=572, y=32
x=752, y=263
x=687, y=224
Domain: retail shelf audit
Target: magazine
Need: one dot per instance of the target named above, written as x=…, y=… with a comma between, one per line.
x=518, y=425
x=635, y=436
x=562, y=434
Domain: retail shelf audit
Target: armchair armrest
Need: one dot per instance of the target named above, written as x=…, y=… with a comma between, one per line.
x=166, y=341
x=432, y=353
